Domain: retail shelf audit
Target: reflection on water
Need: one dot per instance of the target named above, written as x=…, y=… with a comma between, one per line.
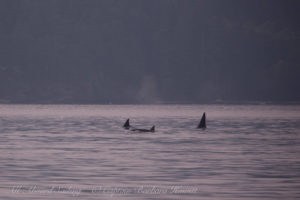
x=82, y=152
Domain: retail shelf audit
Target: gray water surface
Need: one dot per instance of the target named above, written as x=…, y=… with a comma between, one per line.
x=82, y=152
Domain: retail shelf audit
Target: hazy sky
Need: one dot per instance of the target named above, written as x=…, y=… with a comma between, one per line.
x=149, y=51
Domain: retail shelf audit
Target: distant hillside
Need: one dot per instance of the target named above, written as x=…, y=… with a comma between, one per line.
x=140, y=51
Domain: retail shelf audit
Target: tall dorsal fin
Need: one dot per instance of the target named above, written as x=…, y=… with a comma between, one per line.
x=126, y=124
x=202, y=123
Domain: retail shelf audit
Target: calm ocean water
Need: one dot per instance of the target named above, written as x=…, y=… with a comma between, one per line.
x=82, y=152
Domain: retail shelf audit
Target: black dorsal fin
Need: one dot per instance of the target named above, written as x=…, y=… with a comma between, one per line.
x=126, y=125
x=202, y=123
x=152, y=129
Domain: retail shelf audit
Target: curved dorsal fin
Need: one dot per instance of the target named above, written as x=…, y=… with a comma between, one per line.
x=152, y=129
x=126, y=124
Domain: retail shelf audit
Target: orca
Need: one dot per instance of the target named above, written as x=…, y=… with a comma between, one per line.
x=202, y=123
x=152, y=129
x=126, y=124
